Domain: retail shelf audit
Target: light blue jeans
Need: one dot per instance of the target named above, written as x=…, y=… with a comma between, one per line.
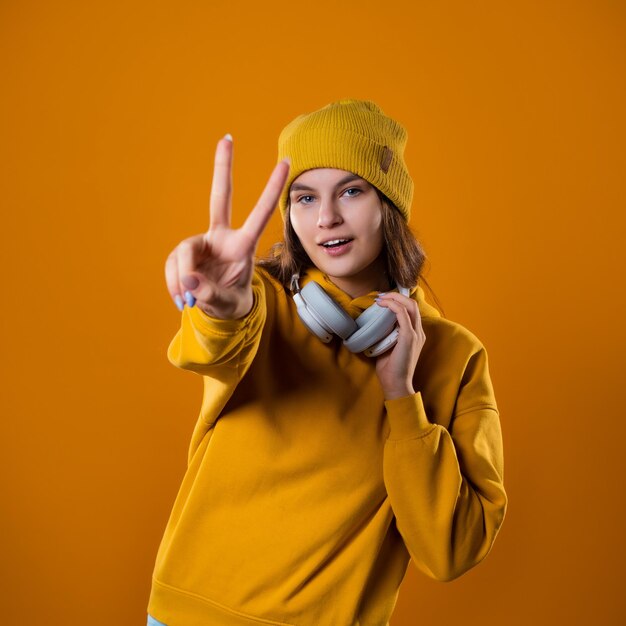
x=154, y=622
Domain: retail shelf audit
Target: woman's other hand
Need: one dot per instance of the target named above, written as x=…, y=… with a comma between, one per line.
x=214, y=269
x=395, y=368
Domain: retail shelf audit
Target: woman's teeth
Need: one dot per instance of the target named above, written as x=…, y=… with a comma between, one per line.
x=334, y=242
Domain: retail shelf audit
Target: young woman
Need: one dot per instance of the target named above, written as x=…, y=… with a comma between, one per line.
x=346, y=426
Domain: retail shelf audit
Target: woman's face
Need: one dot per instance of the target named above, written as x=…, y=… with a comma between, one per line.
x=338, y=218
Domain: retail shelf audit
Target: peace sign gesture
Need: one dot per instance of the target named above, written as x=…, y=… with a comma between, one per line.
x=214, y=269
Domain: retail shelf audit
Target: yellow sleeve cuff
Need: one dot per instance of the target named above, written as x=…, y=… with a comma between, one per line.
x=407, y=417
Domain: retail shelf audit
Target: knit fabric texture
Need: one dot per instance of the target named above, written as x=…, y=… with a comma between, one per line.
x=352, y=135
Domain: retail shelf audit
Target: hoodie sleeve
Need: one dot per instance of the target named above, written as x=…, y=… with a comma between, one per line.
x=446, y=485
x=208, y=345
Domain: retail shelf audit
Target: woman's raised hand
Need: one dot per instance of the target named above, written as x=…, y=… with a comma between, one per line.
x=395, y=368
x=214, y=269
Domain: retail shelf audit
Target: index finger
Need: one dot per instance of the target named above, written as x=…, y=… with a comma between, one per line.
x=408, y=303
x=260, y=215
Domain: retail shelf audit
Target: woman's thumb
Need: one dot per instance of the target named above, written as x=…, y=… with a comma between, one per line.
x=191, y=282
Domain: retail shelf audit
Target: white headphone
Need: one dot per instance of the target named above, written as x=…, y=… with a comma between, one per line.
x=373, y=332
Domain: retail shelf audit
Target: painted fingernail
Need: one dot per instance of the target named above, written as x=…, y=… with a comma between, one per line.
x=189, y=299
x=228, y=136
x=179, y=302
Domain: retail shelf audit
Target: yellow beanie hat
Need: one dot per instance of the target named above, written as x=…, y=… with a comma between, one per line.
x=352, y=135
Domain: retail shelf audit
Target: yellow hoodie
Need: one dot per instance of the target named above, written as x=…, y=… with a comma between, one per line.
x=307, y=493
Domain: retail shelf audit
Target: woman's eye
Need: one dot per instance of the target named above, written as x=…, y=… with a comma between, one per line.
x=303, y=199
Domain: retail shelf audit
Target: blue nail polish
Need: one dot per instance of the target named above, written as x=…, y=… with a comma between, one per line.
x=189, y=299
x=179, y=303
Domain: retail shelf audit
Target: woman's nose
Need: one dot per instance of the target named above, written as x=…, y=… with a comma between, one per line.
x=328, y=215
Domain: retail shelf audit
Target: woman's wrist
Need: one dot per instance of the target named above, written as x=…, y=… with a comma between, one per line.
x=398, y=392
x=233, y=312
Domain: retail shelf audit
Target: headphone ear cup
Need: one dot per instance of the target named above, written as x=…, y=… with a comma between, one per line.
x=310, y=321
x=326, y=311
x=385, y=344
x=375, y=323
x=390, y=340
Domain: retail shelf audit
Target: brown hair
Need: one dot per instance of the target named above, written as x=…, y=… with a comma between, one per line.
x=404, y=255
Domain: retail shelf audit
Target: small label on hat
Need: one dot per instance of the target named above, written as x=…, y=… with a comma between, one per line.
x=386, y=159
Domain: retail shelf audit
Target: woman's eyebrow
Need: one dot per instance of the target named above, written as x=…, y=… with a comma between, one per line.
x=343, y=181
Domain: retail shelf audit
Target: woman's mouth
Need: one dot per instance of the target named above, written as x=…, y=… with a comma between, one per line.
x=337, y=247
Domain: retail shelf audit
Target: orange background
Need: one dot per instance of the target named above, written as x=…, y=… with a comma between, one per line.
x=109, y=117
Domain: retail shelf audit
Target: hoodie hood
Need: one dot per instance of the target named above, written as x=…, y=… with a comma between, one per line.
x=355, y=306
